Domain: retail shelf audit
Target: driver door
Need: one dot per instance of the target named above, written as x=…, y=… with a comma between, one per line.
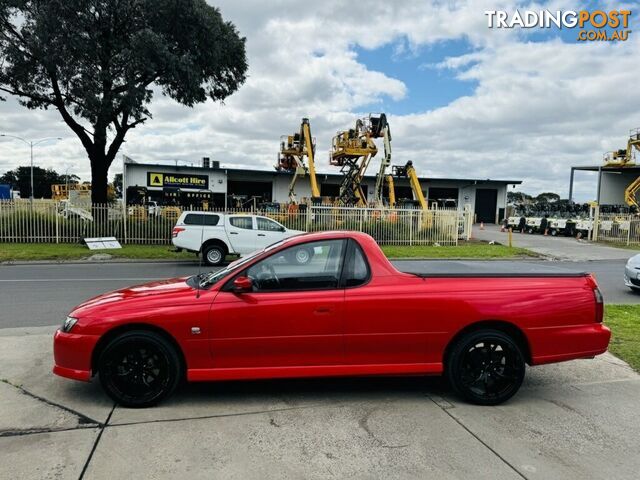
x=292, y=317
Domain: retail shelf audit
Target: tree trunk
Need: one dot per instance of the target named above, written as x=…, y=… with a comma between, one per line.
x=99, y=170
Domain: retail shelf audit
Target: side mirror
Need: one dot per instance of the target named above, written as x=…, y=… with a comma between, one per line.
x=242, y=285
x=283, y=229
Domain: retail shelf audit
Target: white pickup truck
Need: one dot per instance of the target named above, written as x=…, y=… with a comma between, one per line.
x=216, y=235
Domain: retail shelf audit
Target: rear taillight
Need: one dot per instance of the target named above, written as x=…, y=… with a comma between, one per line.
x=176, y=231
x=599, y=304
x=597, y=294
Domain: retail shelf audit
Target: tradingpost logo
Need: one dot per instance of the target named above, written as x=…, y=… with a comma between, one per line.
x=591, y=25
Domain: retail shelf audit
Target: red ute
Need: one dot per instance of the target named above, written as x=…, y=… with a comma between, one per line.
x=340, y=309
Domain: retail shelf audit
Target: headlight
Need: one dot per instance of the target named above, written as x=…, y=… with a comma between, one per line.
x=68, y=324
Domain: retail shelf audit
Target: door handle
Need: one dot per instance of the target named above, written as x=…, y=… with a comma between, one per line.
x=233, y=233
x=261, y=235
x=322, y=310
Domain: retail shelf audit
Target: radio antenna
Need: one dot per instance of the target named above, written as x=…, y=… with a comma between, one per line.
x=201, y=256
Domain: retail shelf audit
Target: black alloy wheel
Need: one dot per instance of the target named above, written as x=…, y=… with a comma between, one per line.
x=486, y=367
x=139, y=369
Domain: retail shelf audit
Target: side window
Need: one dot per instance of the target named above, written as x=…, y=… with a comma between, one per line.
x=309, y=266
x=241, y=222
x=200, y=219
x=268, y=225
x=357, y=268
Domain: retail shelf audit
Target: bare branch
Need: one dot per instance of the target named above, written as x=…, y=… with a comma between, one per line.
x=78, y=129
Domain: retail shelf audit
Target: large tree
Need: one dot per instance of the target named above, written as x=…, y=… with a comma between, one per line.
x=97, y=62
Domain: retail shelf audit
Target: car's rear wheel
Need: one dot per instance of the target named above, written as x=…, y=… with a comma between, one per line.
x=213, y=255
x=486, y=367
x=301, y=256
x=139, y=369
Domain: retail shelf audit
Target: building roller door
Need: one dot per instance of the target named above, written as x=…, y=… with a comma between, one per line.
x=486, y=203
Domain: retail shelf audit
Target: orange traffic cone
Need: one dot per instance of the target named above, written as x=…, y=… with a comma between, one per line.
x=481, y=225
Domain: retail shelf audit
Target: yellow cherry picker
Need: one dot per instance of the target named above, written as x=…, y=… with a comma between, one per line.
x=293, y=149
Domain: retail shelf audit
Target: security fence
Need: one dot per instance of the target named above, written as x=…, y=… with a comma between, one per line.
x=60, y=222
x=616, y=228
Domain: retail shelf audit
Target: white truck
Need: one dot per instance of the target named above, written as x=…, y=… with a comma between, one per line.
x=216, y=235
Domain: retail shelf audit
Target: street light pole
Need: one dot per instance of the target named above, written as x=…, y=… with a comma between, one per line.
x=31, y=196
x=31, y=144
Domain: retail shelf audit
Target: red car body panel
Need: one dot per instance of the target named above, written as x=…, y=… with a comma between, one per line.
x=396, y=323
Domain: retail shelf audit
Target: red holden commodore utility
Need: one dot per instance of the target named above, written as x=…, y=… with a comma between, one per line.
x=347, y=311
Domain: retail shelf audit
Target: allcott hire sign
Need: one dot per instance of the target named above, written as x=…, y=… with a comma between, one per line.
x=177, y=180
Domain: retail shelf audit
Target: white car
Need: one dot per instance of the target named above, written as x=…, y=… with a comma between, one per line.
x=632, y=273
x=216, y=235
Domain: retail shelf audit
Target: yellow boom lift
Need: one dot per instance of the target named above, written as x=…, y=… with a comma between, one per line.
x=392, y=191
x=409, y=171
x=352, y=150
x=624, y=158
x=385, y=133
x=293, y=149
x=629, y=159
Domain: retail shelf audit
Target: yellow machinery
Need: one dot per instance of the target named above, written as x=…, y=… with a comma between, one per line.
x=630, y=193
x=624, y=158
x=409, y=171
x=60, y=191
x=385, y=133
x=293, y=149
x=392, y=191
x=352, y=150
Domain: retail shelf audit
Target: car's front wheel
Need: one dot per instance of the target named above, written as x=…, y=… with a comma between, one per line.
x=139, y=369
x=485, y=367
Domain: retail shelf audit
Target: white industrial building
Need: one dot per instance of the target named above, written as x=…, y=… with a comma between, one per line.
x=234, y=187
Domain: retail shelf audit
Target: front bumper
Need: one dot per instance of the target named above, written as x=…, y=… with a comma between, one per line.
x=72, y=355
x=631, y=277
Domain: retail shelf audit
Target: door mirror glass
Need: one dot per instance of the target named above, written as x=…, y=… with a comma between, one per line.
x=242, y=285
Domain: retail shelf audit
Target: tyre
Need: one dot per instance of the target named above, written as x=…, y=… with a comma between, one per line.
x=139, y=369
x=485, y=367
x=301, y=256
x=635, y=289
x=213, y=254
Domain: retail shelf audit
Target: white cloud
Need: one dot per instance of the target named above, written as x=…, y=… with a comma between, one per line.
x=538, y=108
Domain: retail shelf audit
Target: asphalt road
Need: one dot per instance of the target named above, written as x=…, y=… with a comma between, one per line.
x=39, y=295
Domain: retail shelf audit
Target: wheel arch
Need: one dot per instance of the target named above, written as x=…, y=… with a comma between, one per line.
x=509, y=328
x=215, y=241
x=129, y=327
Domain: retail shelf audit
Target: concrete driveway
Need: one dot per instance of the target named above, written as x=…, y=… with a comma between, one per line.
x=574, y=420
x=559, y=248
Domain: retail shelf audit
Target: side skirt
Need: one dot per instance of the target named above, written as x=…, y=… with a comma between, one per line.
x=255, y=373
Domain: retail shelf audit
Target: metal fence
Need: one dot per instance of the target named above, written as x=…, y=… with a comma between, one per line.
x=60, y=222
x=616, y=228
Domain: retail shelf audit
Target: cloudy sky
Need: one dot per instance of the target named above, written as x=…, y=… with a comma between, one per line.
x=463, y=100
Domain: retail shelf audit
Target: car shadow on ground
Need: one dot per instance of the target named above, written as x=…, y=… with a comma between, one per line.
x=299, y=391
